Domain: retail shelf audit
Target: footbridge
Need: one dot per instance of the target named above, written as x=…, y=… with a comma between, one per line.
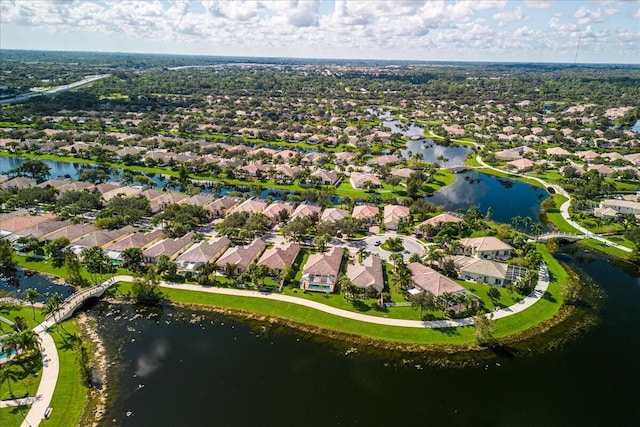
x=567, y=237
x=71, y=304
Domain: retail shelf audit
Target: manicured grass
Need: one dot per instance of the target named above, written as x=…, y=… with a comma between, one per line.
x=441, y=178
x=70, y=396
x=13, y=416
x=599, y=246
x=29, y=373
x=480, y=290
x=44, y=266
x=555, y=217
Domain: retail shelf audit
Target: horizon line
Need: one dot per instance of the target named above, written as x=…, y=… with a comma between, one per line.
x=328, y=59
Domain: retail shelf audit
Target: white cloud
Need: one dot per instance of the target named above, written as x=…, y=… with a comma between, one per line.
x=535, y=4
x=507, y=17
x=586, y=16
x=636, y=15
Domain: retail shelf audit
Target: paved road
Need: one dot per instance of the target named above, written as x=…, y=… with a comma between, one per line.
x=53, y=91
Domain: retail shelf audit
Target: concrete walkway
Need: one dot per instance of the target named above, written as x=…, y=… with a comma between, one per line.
x=525, y=303
x=564, y=209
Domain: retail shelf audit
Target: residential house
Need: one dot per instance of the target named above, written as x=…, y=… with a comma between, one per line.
x=521, y=165
x=333, y=215
x=202, y=253
x=427, y=279
x=386, y=159
x=605, y=213
x=101, y=238
x=305, y=209
x=134, y=240
x=393, y=215
x=75, y=186
x=359, y=180
x=557, y=151
x=221, y=206
x=252, y=206
x=169, y=247
x=603, y=170
x=367, y=274
x=72, y=232
x=18, y=182
x=344, y=158
x=587, y=156
x=487, y=271
x=18, y=223
x=402, y=172
x=285, y=174
x=275, y=212
x=487, y=247
x=43, y=228
x=327, y=177
x=123, y=191
x=440, y=219
x=365, y=212
x=279, y=257
x=198, y=200
x=321, y=270
x=624, y=207
x=242, y=256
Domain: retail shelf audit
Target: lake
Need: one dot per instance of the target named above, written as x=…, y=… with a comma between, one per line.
x=506, y=197
x=184, y=367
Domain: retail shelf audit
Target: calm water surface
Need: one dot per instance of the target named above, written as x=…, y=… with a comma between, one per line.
x=180, y=367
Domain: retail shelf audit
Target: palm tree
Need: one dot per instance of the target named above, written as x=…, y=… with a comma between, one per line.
x=8, y=373
x=53, y=306
x=423, y=301
x=32, y=295
x=403, y=278
x=515, y=221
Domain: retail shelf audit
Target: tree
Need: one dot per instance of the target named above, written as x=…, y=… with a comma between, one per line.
x=73, y=267
x=32, y=295
x=8, y=373
x=53, y=304
x=484, y=330
x=132, y=259
x=346, y=286
x=321, y=242
x=6, y=254
x=96, y=261
x=145, y=288
x=494, y=294
x=449, y=268
x=166, y=267
x=403, y=278
x=55, y=251
x=36, y=169
x=424, y=300
x=94, y=175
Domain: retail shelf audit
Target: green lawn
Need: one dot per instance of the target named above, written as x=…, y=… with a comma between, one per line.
x=70, y=396
x=555, y=218
x=13, y=416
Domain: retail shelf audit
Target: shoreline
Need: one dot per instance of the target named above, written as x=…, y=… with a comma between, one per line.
x=95, y=408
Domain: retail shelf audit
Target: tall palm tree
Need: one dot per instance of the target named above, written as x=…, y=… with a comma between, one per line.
x=8, y=373
x=32, y=295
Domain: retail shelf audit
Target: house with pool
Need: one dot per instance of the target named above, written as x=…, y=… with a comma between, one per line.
x=321, y=270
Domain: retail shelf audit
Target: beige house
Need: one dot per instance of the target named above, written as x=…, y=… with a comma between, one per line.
x=333, y=215
x=393, y=214
x=305, y=209
x=202, y=253
x=487, y=247
x=327, y=177
x=279, y=257
x=252, y=206
x=321, y=271
x=365, y=212
x=19, y=223
x=134, y=240
x=367, y=274
x=521, y=165
x=274, y=211
x=221, y=206
x=427, y=279
x=242, y=256
x=623, y=207
x=487, y=271
x=169, y=247
x=358, y=180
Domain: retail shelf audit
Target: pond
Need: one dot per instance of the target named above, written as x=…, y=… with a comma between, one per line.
x=184, y=367
x=445, y=156
x=17, y=281
x=506, y=197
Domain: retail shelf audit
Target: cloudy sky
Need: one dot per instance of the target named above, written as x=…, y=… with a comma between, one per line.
x=472, y=30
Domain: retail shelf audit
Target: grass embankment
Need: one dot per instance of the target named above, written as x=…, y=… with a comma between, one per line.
x=555, y=217
x=70, y=396
x=543, y=310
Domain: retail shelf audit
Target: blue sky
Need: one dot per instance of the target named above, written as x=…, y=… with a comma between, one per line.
x=473, y=30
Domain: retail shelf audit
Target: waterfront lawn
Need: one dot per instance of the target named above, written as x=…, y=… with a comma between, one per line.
x=610, y=250
x=70, y=396
x=29, y=372
x=507, y=296
x=555, y=217
x=441, y=178
x=45, y=267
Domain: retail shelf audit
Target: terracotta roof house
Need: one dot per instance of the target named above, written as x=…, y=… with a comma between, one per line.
x=274, y=211
x=605, y=213
x=305, y=209
x=285, y=174
x=134, y=240
x=221, y=206
x=73, y=232
x=55, y=183
x=384, y=160
x=169, y=247
x=393, y=214
x=427, y=279
x=613, y=156
x=102, y=238
x=18, y=182
x=344, y=158
x=278, y=257
x=312, y=158
x=19, y=223
x=202, y=253
x=253, y=170
x=633, y=158
x=367, y=274
x=487, y=271
x=587, y=155
x=358, y=180
x=152, y=194
x=251, y=205
x=487, y=247
x=327, y=177
x=521, y=165
x=43, y=228
x=365, y=212
x=75, y=186
x=333, y=215
x=508, y=154
x=198, y=200
x=169, y=198
x=603, y=170
x=321, y=270
x=105, y=187
x=286, y=155
x=242, y=256
x=442, y=218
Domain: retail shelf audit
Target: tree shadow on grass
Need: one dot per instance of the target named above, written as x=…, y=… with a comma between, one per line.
x=450, y=332
x=360, y=306
x=547, y=296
